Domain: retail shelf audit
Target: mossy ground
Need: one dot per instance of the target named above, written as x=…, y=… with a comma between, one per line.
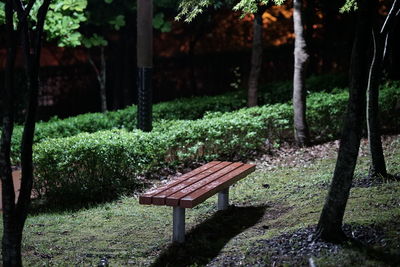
x=131, y=234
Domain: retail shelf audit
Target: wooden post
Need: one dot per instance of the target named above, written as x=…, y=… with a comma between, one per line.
x=178, y=225
x=223, y=199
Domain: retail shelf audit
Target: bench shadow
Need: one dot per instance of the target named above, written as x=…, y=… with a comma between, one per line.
x=204, y=242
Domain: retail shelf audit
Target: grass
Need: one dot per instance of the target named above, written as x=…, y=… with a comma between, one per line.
x=131, y=234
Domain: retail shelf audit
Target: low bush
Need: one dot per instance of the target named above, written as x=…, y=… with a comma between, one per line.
x=104, y=164
x=190, y=109
x=187, y=109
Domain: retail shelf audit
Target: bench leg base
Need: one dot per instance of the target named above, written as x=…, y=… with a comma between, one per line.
x=223, y=199
x=178, y=225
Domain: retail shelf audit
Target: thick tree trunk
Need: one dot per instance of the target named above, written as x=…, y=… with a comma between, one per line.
x=301, y=131
x=256, y=58
x=330, y=222
x=378, y=165
x=145, y=63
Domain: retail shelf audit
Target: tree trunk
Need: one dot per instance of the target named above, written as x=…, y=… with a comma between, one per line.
x=145, y=63
x=10, y=242
x=256, y=58
x=330, y=222
x=101, y=77
x=15, y=214
x=301, y=131
x=378, y=165
x=380, y=41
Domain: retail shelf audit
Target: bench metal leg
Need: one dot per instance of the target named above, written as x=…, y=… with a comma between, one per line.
x=178, y=225
x=223, y=199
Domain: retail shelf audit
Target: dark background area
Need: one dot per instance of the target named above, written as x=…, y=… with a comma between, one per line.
x=194, y=59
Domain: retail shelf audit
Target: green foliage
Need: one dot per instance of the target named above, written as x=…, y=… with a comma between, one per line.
x=117, y=22
x=63, y=21
x=94, y=40
x=2, y=14
x=160, y=23
x=103, y=164
x=189, y=9
x=349, y=5
x=190, y=109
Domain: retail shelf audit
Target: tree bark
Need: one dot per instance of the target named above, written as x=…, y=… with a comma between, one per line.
x=378, y=165
x=380, y=39
x=101, y=78
x=145, y=63
x=15, y=214
x=330, y=222
x=301, y=131
x=11, y=243
x=256, y=57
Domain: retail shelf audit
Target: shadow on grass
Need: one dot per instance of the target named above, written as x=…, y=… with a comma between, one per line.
x=204, y=242
x=373, y=253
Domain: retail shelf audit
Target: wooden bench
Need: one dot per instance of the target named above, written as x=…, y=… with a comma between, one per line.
x=194, y=187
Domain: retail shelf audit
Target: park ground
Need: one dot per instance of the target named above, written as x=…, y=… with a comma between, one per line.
x=270, y=223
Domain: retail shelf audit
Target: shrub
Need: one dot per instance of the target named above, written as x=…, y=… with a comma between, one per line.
x=191, y=108
x=104, y=164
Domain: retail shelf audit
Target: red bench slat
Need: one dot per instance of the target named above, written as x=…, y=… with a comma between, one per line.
x=173, y=199
x=146, y=198
x=221, y=183
x=160, y=198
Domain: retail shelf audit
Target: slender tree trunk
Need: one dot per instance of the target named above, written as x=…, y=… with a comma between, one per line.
x=15, y=214
x=256, y=58
x=301, y=131
x=10, y=241
x=192, y=73
x=330, y=222
x=101, y=78
x=380, y=39
x=145, y=63
x=378, y=165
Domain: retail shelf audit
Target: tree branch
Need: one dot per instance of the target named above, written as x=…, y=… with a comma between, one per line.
x=389, y=21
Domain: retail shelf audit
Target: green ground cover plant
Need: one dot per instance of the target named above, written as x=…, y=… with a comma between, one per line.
x=129, y=234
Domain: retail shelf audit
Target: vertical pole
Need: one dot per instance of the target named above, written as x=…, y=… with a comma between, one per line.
x=223, y=199
x=178, y=225
x=145, y=63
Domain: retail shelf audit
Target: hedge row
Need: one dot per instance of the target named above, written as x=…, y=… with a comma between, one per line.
x=188, y=109
x=104, y=164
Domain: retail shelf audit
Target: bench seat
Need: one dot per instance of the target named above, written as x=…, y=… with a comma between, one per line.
x=192, y=188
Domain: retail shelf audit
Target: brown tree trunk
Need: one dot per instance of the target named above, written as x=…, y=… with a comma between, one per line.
x=301, y=131
x=145, y=63
x=330, y=222
x=256, y=58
